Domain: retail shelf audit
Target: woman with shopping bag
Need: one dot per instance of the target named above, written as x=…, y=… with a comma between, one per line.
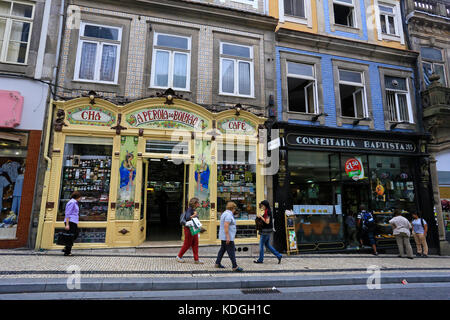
x=190, y=239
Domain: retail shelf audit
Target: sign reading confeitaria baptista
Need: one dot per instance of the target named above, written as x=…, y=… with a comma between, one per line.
x=314, y=141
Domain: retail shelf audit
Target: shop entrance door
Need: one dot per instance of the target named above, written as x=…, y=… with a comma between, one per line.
x=166, y=197
x=354, y=194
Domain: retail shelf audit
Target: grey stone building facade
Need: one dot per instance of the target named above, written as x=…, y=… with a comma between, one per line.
x=429, y=32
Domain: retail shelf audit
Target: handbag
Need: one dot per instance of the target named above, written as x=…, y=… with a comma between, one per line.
x=64, y=239
x=259, y=223
x=183, y=219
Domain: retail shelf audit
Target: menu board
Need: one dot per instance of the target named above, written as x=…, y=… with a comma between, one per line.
x=317, y=209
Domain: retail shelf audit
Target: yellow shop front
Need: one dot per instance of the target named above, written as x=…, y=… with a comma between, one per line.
x=138, y=165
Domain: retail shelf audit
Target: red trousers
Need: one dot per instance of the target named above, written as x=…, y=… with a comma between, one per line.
x=189, y=241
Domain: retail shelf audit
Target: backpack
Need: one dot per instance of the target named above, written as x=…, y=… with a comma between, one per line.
x=368, y=222
x=183, y=219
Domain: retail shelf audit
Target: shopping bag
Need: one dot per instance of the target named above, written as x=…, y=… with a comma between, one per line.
x=64, y=239
x=196, y=222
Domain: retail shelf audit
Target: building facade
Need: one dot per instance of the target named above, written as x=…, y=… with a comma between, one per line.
x=159, y=102
x=349, y=120
x=429, y=33
x=27, y=61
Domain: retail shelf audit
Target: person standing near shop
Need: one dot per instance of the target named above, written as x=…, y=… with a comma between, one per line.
x=72, y=216
x=190, y=241
x=420, y=229
x=227, y=233
x=402, y=233
x=366, y=225
x=265, y=233
x=351, y=229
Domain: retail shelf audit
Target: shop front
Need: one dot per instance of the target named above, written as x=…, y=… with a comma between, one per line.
x=138, y=165
x=329, y=175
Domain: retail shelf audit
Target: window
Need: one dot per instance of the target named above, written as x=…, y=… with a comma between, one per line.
x=397, y=99
x=387, y=19
x=301, y=83
x=295, y=8
x=253, y=3
x=344, y=13
x=352, y=94
x=432, y=62
x=16, y=20
x=98, y=53
x=171, y=62
x=236, y=70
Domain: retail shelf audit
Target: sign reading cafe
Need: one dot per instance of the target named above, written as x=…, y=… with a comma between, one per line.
x=350, y=143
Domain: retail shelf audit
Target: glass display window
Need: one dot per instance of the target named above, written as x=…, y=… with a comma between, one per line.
x=315, y=191
x=236, y=179
x=86, y=169
x=13, y=153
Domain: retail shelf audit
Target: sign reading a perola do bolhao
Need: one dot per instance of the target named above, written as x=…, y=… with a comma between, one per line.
x=166, y=118
x=310, y=141
x=236, y=125
x=91, y=115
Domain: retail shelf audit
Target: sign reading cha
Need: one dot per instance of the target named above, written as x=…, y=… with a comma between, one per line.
x=350, y=143
x=90, y=116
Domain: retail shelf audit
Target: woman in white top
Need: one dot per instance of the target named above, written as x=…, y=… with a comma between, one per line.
x=420, y=229
x=402, y=233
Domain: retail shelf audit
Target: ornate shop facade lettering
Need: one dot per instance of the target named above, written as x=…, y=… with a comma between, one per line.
x=350, y=143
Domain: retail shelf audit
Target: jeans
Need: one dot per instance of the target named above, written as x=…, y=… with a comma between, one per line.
x=189, y=241
x=230, y=249
x=265, y=241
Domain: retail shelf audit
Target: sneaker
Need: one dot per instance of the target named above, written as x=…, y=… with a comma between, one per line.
x=424, y=256
x=418, y=254
x=238, y=269
x=410, y=258
x=68, y=254
x=198, y=262
x=257, y=261
x=180, y=260
x=375, y=253
x=219, y=266
x=279, y=259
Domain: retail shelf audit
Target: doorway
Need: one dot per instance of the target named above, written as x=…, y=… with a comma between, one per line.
x=354, y=195
x=165, y=198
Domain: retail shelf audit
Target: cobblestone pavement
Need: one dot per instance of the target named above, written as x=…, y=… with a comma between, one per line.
x=110, y=263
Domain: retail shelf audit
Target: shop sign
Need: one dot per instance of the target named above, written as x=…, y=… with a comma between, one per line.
x=236, y=125
x=354, y=168
x=350, y=143
x=166, y=118
x=91, y=116
x=11, y=103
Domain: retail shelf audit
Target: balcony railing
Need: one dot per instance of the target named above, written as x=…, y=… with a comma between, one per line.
x=437, y=7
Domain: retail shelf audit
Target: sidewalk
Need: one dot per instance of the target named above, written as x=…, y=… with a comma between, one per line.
x=132, y=263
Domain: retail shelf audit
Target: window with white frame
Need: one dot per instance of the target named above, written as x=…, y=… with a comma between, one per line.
x=352, y=94
x=397, y=99
x=171, y=63
x=98, y=53
x=236, y=70
x=344, y=13
x=433, y=62
x=388, y=19
x=16, y=21
x=253, y=3
x=302, y=89
x=295, y=8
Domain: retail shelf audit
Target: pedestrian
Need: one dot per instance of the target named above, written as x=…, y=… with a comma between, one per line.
x=366, y=225
x=190, y=241
x=71, y=219
x=227, y=233
x=402, y=233
x=420, y=229
x=350, y=222
x=265, y=233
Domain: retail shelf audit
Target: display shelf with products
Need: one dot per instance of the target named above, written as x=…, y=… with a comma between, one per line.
x=90, y=175
x=237, y=183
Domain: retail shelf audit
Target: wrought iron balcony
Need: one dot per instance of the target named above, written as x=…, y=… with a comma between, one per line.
x=436, y=7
